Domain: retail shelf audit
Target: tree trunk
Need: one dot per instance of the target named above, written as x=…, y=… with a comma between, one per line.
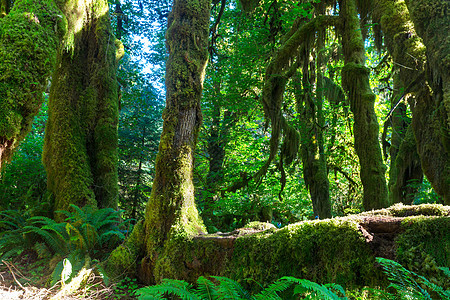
x=29, y=40
x=171, y=212
x=431, y=116
x=216, y=151
x=405, y=172
x=312, y=149
x=355, y=81
x=429, y=123
x=80, y=147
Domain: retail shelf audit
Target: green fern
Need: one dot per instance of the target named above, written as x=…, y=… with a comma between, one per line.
x=410, y=285
x=12, y=239
x=225, y=288
x=178, y=288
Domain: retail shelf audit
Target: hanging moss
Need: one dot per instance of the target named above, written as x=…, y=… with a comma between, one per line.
x=80, y=150
x=29, y=39
x=355, y=81
x=432, y=23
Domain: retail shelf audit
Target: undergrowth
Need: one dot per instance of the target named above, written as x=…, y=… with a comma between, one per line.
x=404, y=284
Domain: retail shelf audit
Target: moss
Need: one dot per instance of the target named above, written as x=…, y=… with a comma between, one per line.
x=124, y=259
x=355, y=81
x=324, y=251
x=29, y=39
x=400, y=210
x=80, y=150
x=425, y=246
x=259, y=225
x=171, y=213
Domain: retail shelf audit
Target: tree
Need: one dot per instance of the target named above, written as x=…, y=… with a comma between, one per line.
x=431, y=116
x=29, y=39
x=355, y=81
x=80, y=149
x=171, y=210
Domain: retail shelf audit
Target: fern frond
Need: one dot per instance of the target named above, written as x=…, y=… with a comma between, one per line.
x=105, y=237
x=56, y=244
x=178, y=288
x=317, y=289
x=90, y=234
x=408, y=282
x=230, y=289
x=80, y=213
x=206, y=289
x=336, y=287
x=75, y=236
x=271, y=292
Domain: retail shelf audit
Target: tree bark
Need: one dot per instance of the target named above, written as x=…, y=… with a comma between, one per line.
x=80, y=147
x=311, y=122
x=405, y=172
x=29, y=40
x=431, y=116
x=355, y=81
x=171, y=212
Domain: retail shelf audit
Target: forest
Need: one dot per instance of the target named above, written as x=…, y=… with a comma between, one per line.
x=224, y=149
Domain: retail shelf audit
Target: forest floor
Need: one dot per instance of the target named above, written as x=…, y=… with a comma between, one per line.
x=26, y=277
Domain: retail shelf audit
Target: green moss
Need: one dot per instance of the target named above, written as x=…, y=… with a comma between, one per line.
x=171, y=213
x=400, y=210
x=124, y=259
x=29, y=39
x=355, y=81
x=425, y=246
x=323, y=251
x=80, y=150
x=259, y=225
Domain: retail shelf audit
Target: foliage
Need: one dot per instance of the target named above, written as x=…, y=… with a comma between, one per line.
x=404, y=283
x=409, y=285
x=125, y=288
x=224, y=288
x=23, y=179
x=85, y=231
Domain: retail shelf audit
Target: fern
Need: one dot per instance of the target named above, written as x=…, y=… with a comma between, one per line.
x=178, y=288
x=316, y=291
x=226, y=288
x=230, y=289
x=410, y=284
x=271, y=292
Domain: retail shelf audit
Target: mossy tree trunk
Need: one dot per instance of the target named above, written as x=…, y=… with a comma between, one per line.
x=309, y=106
x=217, y=141
x=80, y=147
x=431, y=116
x=355, y=81
x=29, y=38
x=405, y=171
x=171, y=210
x=429, y=124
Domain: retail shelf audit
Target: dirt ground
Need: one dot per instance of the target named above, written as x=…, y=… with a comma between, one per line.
x=26, y=277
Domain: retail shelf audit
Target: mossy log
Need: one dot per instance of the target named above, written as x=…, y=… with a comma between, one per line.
x=340, y=250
